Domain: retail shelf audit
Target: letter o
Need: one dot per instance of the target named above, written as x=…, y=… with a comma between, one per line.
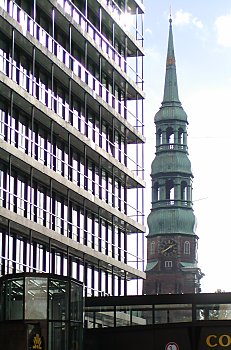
x=208, y=341
x=221, y=340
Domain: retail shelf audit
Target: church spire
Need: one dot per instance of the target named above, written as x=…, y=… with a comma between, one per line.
x=170, y=87
x=171, y=240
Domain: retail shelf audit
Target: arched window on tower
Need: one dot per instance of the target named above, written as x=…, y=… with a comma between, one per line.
x=170, y=195
x=186, y=247
x=156, y=192
x=152, y=248
x=170, y=137
x=181, y=137
x=184, y=192
x=159, y=140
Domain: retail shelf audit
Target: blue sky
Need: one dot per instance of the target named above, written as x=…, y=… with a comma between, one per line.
x=202, y=42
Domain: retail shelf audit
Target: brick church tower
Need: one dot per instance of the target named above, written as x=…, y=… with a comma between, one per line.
x=172, y=241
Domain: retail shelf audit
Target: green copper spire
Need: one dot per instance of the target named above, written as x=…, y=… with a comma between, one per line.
x=170, y=88
x=171, y=106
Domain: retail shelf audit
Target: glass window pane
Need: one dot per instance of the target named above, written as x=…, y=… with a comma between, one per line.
x=76, y=306
x=14, y=299
x=35, y=298
x=58, y=336
x=58, y=300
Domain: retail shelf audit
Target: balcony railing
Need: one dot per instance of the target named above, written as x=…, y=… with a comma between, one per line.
x=123, y=19
x=79, y=18
x=172, y=203
x=28, y=24
x=56, y=104
x=34, y=212
x=172, y=146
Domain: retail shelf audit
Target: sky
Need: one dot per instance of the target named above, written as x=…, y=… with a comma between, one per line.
x=202, y=44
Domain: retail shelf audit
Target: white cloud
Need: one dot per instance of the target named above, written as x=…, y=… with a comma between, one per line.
x=197, y=23
x=223, y=28
x=184, y=18
x=148, y=30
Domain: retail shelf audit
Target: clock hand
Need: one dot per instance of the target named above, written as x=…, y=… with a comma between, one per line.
x=166, y=249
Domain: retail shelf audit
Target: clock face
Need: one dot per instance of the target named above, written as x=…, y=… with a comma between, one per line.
x=168, y=247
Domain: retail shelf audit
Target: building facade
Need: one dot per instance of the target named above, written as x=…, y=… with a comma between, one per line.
x=71, y=141
x=172, y=240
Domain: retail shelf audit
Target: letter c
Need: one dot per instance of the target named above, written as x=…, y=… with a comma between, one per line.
x=208, y=340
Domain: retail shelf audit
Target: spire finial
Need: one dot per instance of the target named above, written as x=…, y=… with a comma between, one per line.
x=170, y=15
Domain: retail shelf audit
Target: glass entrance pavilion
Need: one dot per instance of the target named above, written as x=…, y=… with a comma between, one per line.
x=41, y=311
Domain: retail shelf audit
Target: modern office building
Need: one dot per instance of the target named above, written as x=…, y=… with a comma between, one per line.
x=172, y=265
x=71, y=141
